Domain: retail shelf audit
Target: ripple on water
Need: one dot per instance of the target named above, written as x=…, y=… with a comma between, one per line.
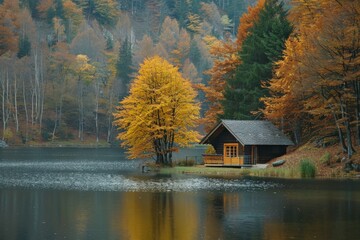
x=110, y=176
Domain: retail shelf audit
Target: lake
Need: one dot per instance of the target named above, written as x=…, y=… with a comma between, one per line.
x=97, y=194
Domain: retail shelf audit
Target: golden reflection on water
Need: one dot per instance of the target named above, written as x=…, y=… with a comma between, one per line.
x=172, y=215
x=159, y=216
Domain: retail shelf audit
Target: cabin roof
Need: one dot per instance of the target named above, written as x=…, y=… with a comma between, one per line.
x=250, y=132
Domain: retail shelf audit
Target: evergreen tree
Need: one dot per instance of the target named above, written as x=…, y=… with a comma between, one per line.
x=124, y=62
x=24, y=47
x=32, y=5
x=104, y=11
x=259, y=52
x=59, y=9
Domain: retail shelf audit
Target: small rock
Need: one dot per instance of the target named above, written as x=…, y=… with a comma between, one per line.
x=3, y=144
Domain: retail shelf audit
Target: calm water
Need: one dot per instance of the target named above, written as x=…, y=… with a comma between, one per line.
x=97, y=194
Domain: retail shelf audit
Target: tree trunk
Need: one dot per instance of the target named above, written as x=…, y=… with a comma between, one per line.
x=81, y=109
x=97, y=92
x=3, y=104
x=15, y=105
x=346, y=123
x=55, y=124
x=41, y=92
x=357, y=110
x=340, y=134
x=26, y=114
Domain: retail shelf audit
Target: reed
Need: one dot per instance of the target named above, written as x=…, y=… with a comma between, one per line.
x=307, y=168
x=275, y=172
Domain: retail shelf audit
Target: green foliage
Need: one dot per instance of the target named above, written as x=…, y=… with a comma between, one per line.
x=8, y=134
x=260, y=50
x=210, y=150
x=24, y=47
x=124, y=62
x=185, y=162
x=59, y=9
x=325, y=159
x=307, y=168
x=104, y=11
x=32, y=5
x=276, y=172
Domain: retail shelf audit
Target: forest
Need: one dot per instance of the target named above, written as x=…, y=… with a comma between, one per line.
x=66, y=64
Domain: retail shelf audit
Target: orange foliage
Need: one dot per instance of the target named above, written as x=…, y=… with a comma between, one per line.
x=44, y=7
x=247, y=20
x=9, y=25
x=226, y=59
x=320, y=70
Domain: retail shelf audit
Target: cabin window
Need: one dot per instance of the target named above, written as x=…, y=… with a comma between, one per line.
x=231, y=150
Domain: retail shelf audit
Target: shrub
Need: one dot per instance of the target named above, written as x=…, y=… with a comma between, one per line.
x=210, y=150
x=325, y=159
x=307, y=168
x=8, y=134
x=185, y=162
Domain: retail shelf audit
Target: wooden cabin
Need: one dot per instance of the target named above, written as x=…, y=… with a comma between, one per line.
x=244, y=143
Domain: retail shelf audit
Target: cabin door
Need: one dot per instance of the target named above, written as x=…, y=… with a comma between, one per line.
x=254, y=154
x=231, y=154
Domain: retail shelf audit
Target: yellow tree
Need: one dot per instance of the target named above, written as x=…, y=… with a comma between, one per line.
x=285, y=104
x=159, y=114
x=84, y=71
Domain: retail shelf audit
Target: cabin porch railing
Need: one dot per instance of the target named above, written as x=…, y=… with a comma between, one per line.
x=219, y=159
x=213, y=159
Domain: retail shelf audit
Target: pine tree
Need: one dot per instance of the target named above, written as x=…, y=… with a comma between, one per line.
x=24, y=47
x=59, y=9
x=124, y=62
x=261, y=48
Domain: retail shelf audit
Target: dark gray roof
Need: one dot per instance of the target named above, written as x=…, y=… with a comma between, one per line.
x=253, y=132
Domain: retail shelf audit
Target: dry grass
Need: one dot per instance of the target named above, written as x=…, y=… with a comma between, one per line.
x=329, y=161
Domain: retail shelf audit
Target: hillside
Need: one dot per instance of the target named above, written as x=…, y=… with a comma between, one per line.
x=329, y=161
x=65, y=64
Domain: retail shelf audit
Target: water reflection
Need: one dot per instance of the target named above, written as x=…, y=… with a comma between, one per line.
x=110, y=199
x=159, y=216
x=260, y=214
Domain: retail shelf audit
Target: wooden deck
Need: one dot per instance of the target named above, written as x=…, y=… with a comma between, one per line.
x=218, y=160
x=214, y=159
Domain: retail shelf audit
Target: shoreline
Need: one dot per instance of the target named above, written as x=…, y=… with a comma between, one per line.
x=269, y=172
x=62, y=145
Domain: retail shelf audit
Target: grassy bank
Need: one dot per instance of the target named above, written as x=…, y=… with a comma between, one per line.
x=209, y=171
x=305, y=162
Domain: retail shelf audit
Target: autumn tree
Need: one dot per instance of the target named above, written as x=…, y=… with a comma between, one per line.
x=259, y=51
x=9, y=25
x=226, y=60
x=85, y=73
x=159, y=114
x=72, y=18
x=59, y=90
x=285, y=103
x=321, y=69
x=143, y=49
